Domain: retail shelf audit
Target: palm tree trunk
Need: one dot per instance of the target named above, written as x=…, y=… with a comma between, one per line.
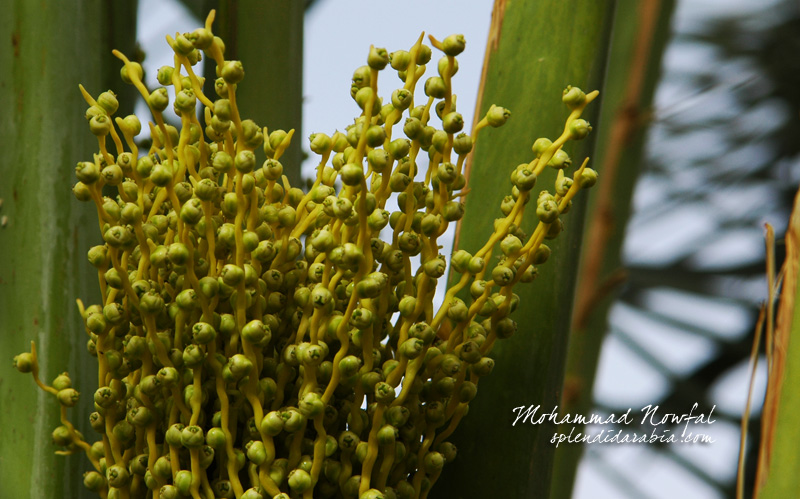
x=535, y=49
x=641, y=30
x=48, y=48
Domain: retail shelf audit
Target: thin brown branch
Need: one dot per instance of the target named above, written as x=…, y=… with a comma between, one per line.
x=746, y=414
x=625, y=124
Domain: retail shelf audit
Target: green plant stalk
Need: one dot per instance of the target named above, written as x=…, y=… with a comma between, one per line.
x=779, y=433
x=545, y=45
x=268, y=38
x=45, y=231
x=640, y=33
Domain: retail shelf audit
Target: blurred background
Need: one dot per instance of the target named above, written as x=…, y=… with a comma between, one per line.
x=720, y=161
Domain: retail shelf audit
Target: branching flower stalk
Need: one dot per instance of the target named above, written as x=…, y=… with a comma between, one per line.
x=258, y=341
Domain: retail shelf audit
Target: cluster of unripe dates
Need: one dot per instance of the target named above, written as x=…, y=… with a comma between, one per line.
x=259, y=341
